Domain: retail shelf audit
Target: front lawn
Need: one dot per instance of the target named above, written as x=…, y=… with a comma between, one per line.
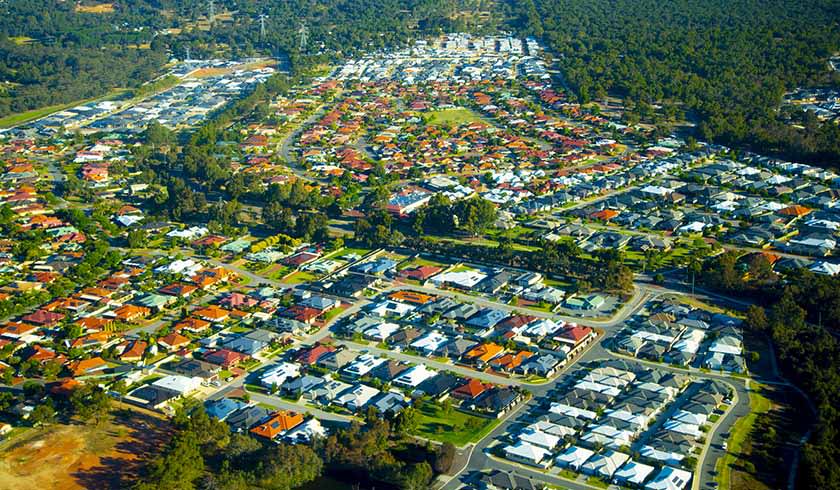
x=457, y=427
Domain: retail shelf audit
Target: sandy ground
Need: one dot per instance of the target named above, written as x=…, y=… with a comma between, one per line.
x=105, y=456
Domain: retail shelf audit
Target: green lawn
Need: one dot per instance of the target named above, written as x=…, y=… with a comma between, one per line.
x=453, y=116
x=457, y=427
x=22, y=117
x=301, y=277
x=759, y=404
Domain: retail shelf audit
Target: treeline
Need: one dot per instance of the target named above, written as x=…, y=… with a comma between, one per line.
x=801, y=315
x=203, y=453
x=724, y=64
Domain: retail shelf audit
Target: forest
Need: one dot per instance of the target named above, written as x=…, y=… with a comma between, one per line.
x=54, y=53
x=801, y=315
x=723, y=64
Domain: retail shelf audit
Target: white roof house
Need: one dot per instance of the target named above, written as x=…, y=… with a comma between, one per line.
x=563, y=409
x=573, y=457
x=663, y=456
x=305, y=432
x=362, y=365
x=539, y=439
x=526, y=453
x=466, y=279
x=392, y=308
x=632, y=473
x=381, y=331
x=430, y=342
x=179, y=384
x=682, y=428
x=356, y=397
x=670, y=479
x=413, y=376
x=277, y=375
x=605, y=464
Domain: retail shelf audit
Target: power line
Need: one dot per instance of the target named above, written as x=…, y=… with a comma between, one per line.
x=262, y=26
x=304, y=35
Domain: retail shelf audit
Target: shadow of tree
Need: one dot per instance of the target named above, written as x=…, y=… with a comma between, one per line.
x=120, y=469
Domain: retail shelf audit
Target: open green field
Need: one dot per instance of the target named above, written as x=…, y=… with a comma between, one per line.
x=453, y=116
x=457, y=427
x=301, y=277
x=22, y=117
x=759, y=405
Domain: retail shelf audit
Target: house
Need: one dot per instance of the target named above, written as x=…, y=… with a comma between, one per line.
x=131, y=313
x=336, y=360
x=173, y=341
x=310, y=357
x=632, y=474
x=470, y=390
x=223, y=407
x=306, y=432
x=497, y=401
x=670, y=478
x=412, y=377
x=276, y=375
x=361, y=366
x=502, y=480
x=246, y=417
x=604, y=465
x=525, y=453
x=573, y=457
x=87, y=366
x=226, y=358
x=483, y=353
x=212, y=313
x=420, y=273
x=430, y=343
x=356, y=397
x=277, y=424
x=437, y=387
x=301, y=384
x=194, y=368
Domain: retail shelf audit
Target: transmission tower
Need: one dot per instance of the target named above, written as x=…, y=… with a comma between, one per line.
x=211, y=12
x=304, y=36
x=262, y=26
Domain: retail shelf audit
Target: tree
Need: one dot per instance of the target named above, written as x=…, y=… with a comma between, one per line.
x=43, y=414
x=288, y=466
x=137, y=239
x=444, y=457
x=417, y=477
x=89, y=401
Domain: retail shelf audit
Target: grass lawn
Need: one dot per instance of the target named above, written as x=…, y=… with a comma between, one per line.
x=455, y=116
x=759, y=404
x=457, y=427
x=421, y=262
x=22, y=117
x=332, y=314
x=597, y=482
x=301, y=277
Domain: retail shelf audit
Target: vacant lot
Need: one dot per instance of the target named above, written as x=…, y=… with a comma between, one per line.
x=457, y=427
x=100, y=8
x=453, y=116
x=103, y=457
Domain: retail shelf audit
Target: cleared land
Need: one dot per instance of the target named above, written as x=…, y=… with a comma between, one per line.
x=105, y=456
x=453, y=116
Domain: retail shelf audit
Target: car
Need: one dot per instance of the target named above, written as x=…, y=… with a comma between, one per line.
x=723, y=446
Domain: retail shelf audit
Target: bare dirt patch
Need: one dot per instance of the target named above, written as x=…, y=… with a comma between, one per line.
x=107, y=456
x=99, y=8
